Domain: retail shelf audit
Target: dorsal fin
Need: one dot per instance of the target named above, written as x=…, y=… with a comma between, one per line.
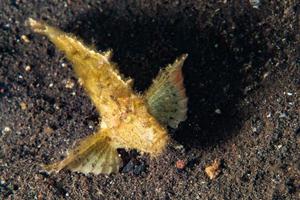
x=166, y=96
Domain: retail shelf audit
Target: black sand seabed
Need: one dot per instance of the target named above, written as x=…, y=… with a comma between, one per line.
x=242, y=78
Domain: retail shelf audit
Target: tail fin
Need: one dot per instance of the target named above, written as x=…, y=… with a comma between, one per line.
x=94, y=154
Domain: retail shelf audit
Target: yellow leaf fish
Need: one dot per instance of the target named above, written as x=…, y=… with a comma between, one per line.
x=128, y=120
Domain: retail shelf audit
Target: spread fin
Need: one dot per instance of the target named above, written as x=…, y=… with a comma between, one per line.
x=94, y=154
x=166, y=97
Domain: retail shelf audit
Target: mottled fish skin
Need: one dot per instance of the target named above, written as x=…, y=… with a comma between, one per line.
x=125, y=118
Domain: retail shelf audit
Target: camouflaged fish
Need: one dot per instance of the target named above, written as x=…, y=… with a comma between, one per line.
x=128, y=120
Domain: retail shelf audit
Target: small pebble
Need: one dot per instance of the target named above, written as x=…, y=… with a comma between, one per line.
x=23, y=105
x=6, y=129
x=51, y=85
x=69, y=84
x=48, y=130
x=56, y=106
x=180, y=164
x=266, y=75
x=179, y=147
x=27, y=68
x=283, y=115
x=7, y=25
x=218, y=111
x=25, y=39
x=2, y=90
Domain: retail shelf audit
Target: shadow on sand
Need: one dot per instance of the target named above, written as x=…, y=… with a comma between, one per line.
x=226, y=50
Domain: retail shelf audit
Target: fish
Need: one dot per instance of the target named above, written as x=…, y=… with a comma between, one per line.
x=128, y=120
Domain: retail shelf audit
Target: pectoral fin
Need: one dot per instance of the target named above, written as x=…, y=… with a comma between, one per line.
x=94, y=154
x=166, y=97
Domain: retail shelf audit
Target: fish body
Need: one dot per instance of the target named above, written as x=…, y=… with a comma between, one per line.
x=128, y=120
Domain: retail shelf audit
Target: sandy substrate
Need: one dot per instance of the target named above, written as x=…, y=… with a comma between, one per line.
x=242, y=77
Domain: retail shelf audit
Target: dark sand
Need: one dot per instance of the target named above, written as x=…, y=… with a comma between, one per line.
x=242, y=60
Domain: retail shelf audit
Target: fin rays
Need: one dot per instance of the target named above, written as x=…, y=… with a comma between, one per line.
x=94, y=154
x=166, y=97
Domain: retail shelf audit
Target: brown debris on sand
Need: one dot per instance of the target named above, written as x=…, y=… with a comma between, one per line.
x=214, y=169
